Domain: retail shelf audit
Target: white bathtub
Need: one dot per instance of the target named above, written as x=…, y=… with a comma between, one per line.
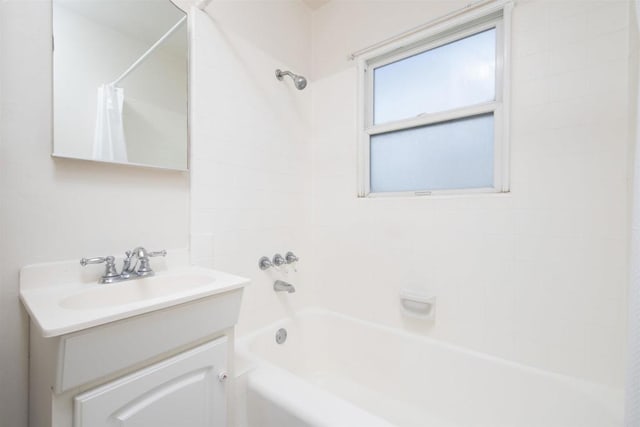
x=338, y=371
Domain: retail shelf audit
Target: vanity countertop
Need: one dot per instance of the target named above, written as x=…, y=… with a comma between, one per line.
x=63, y=297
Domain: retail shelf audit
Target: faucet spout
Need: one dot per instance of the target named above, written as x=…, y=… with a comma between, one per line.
x=281, y=286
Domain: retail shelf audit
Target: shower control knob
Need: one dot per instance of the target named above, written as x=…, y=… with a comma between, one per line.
x=278, y=260
x=290, y=257
x=264, y=263
x=223, y=376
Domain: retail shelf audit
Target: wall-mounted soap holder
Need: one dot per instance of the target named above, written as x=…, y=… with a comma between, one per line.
x=417, y=304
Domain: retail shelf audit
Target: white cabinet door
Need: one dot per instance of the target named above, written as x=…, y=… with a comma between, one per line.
x=184, y=390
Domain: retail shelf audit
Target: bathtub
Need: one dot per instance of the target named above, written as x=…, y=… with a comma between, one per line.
x=337, y=371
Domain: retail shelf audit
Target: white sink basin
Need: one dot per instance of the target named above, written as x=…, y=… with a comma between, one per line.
x=135, y=291
x=62, y=298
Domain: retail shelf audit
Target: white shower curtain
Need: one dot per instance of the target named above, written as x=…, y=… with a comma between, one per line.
x=632, y=411
x=108, y=142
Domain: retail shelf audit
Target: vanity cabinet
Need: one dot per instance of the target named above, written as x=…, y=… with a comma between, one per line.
x=166, y=368
x=185, y=390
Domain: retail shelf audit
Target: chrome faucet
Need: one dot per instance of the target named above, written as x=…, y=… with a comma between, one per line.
x=140, y=255
x=281, y=286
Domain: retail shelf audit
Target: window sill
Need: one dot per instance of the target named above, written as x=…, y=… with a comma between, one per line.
x=436, y=195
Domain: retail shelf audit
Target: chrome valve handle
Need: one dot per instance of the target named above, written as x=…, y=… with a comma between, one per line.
x=278, y=260
x=264, y=263
x=141, y=253
x=290, y=257
x=97, y=260
x=143, y=257
x=110, y=273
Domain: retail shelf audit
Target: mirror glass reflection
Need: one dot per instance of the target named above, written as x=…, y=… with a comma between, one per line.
x=120, y=82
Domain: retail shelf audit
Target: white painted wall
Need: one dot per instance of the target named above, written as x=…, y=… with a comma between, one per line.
x=56, y=209
x=89, y=53
x=537, y=276
x=632, y=389
x=250, y=154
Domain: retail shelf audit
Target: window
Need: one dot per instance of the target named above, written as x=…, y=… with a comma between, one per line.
x=433, y=118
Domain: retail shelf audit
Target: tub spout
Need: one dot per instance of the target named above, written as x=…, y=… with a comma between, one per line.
x=280, y=286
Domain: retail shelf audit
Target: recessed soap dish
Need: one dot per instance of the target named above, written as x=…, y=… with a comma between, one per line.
x=418, y=305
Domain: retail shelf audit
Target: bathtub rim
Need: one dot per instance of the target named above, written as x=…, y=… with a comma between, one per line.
x=610, y=397
x=242, y=344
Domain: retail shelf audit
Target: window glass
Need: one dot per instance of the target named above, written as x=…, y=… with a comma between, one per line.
x=457, y=154
x=451, y=76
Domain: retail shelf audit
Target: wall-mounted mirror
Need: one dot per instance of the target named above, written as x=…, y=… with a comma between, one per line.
x=120, y=82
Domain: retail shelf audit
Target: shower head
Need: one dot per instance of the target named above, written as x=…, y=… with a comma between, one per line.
x=299, y=81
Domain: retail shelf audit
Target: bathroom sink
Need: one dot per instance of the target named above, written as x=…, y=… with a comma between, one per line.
x=135, y=291
x=61, y=298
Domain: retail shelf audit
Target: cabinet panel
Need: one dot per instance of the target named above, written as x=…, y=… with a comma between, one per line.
x=97, y=352
x=181, y=391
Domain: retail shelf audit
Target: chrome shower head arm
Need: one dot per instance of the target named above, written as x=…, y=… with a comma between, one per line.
x=299, y=81
x=280, y=74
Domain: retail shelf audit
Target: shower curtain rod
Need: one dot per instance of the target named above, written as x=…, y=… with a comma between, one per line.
x=144, y=56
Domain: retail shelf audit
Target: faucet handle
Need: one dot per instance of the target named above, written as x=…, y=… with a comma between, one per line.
x=157, y=253
x=290, y=258
x=145, y=268
x=110, y=269
x=96, y=260
x=264, y=263
x=278, y=260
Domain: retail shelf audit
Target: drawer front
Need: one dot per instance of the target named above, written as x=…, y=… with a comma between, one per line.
x=98, y=352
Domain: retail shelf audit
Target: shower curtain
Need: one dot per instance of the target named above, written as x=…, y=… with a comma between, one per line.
x=632, y=406
x=108, y=142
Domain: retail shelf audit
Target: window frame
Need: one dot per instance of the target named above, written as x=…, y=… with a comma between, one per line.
x=498, y=17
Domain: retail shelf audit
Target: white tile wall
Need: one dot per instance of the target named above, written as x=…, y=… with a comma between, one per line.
x=537, y=276
x=250, y=186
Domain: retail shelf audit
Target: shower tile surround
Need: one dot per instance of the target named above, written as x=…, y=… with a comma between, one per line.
x=537, y=276
x=250, y=180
